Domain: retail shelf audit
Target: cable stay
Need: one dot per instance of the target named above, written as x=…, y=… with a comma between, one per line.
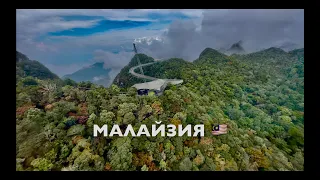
x=139, y=63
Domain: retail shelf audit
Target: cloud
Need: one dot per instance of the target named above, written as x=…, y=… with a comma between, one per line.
x=190, y=32
x=63, y=51
x=115, y=61
x=112, y=60
x=36, y=29
x=221, y=28
x=113, y=14
x=30, y=27
x=257, y=28
x=181, y=40
x=31, y=23
x=97, y=78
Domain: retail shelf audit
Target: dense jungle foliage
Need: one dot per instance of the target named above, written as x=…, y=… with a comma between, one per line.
x=260, y=96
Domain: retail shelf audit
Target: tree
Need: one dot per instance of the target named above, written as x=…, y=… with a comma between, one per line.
x=128, y=118
x=120, y=154
x=163, y=165
x=185, y=164
x=69, y=82
x=41, y=164
x=199, y=159
x=86, y=161
x=76, y=130
x=106, y=118
x=144, y=168
x=29, y=81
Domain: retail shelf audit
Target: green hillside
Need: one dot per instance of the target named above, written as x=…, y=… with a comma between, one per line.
x=299, y=53
x=26, y=67
x=167, y=69
x=211, y=56
x=260, y=96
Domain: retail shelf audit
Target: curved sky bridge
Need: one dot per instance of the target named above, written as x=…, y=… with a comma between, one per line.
x=155, y=83
x=131, y=71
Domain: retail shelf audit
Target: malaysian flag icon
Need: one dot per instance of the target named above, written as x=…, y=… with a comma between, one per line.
x=219, y=129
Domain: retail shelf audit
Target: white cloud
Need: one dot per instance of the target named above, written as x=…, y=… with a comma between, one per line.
x=148, y=40
x=112, y=60
x=34, y=24
x=258, y=29
x=97, y=78
x=185, y=39
x=120, y=14
x=120, y=39
x=38, y=25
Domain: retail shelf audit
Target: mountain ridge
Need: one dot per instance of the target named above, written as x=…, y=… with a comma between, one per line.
x=264, y=110
x=26, y=67
x=94, y=73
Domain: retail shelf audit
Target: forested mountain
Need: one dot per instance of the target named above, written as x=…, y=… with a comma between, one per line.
x=167, y=69
x=26, y=67
x=211, y=54
x=95, y=73
x=21, y=57
x=271, y=54
x=299, y=53
x=260, y=96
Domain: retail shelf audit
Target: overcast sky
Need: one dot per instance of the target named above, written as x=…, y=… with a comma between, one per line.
x=67, y=40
